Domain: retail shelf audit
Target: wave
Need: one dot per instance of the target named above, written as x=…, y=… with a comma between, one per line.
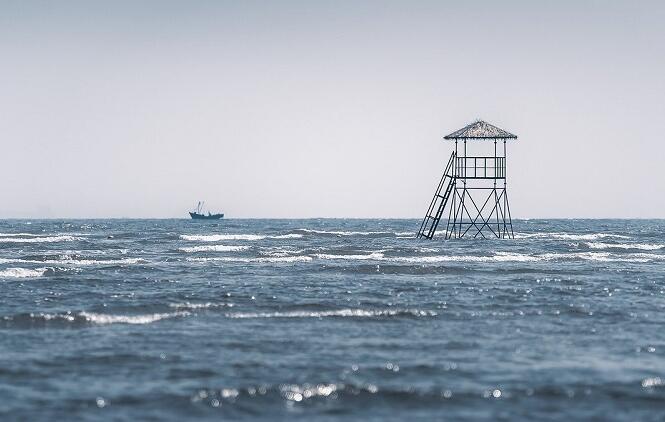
x=22, y=272
x=46, y=239
x=129, y=319
x=195, y=306
x=214, y=248
x=499, y=257
x=273, y=259
x=433, y=259
x=516, y=257
x=82, y=319
x=21, y=234
x=41, y=234
x=67, y=261
x=641, y=246
x=568, y=236
x=220, y=237
x=341, y=313
x=374, y=255
x=356, y=233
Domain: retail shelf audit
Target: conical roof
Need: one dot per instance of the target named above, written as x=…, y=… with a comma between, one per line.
x=480, y=130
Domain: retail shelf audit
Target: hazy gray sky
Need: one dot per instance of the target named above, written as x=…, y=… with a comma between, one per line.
x=326, y=108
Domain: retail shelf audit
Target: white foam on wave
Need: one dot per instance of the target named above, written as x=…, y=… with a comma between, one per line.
x=273, y=259
x=405, y=234
x=221, y=237
x=516, y=257
x=22, y=272
x=281, y=251
x=603, y=257
x=343, y=313
x=45, y=239
x=67, y=261
x=374, y=255
x=205, y=305
x=641, y=246
x=502, y=257
x=287, y=236
x=355, y=233
x=499, y=257
x=214, y=248
x=21, y=234
x=568, y=236
x=129, y=319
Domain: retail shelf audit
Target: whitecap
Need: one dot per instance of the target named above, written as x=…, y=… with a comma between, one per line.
x=68, y=261
x=405, y=234
x=500, y=257
x=343, y=313
x=46, y=239
x=641, y=246
x=220, y=237
x=205, y=305
x=287, y=236
x=347, y=233
x=22, y=272
x=214, y=248
x=375, y=256
x=272, y=259
x=128, y=319
x=601, y=257
x=21, y=234
x=568, y=236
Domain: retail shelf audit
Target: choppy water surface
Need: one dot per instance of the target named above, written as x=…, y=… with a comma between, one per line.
x=330, y=319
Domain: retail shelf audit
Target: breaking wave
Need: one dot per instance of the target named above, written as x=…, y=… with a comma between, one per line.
x=568, y=236
x=433, y=259
x=214, y=248
x=69, y=261
x=374, y=255
x=195, y=306
x=45, y=239
x=341, y=313
x=641, y=246
x=220, y=237
x=273, y=259
x=22, y=272
x=128, y=319
x=83, y=318
x=356, y=233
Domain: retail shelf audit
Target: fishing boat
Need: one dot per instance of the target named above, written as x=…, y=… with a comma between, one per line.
x=198, y=213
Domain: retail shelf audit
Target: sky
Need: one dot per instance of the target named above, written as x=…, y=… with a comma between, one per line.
x=291, y=109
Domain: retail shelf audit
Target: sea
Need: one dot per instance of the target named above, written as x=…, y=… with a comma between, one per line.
x=330, y=319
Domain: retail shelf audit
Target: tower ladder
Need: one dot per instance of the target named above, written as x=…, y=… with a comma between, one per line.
x=439, y=201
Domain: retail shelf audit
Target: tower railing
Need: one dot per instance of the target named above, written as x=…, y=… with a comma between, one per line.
x=480, y=167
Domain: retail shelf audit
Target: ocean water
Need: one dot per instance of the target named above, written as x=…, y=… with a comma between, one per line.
x=330, y=320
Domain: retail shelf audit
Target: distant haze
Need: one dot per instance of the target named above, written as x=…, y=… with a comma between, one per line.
x=326, y=108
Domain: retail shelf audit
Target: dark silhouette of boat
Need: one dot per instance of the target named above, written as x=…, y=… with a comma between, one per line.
x=198, y=214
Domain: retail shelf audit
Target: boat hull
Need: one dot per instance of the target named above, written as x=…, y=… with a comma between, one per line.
x=196, y=216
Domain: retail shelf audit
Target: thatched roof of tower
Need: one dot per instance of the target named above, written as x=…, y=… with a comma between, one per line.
x=480, y=130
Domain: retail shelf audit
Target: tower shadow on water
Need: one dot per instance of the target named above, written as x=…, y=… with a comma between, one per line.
x=472, y=193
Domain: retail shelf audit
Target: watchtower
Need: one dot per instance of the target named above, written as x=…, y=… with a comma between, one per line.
x=473, y=187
